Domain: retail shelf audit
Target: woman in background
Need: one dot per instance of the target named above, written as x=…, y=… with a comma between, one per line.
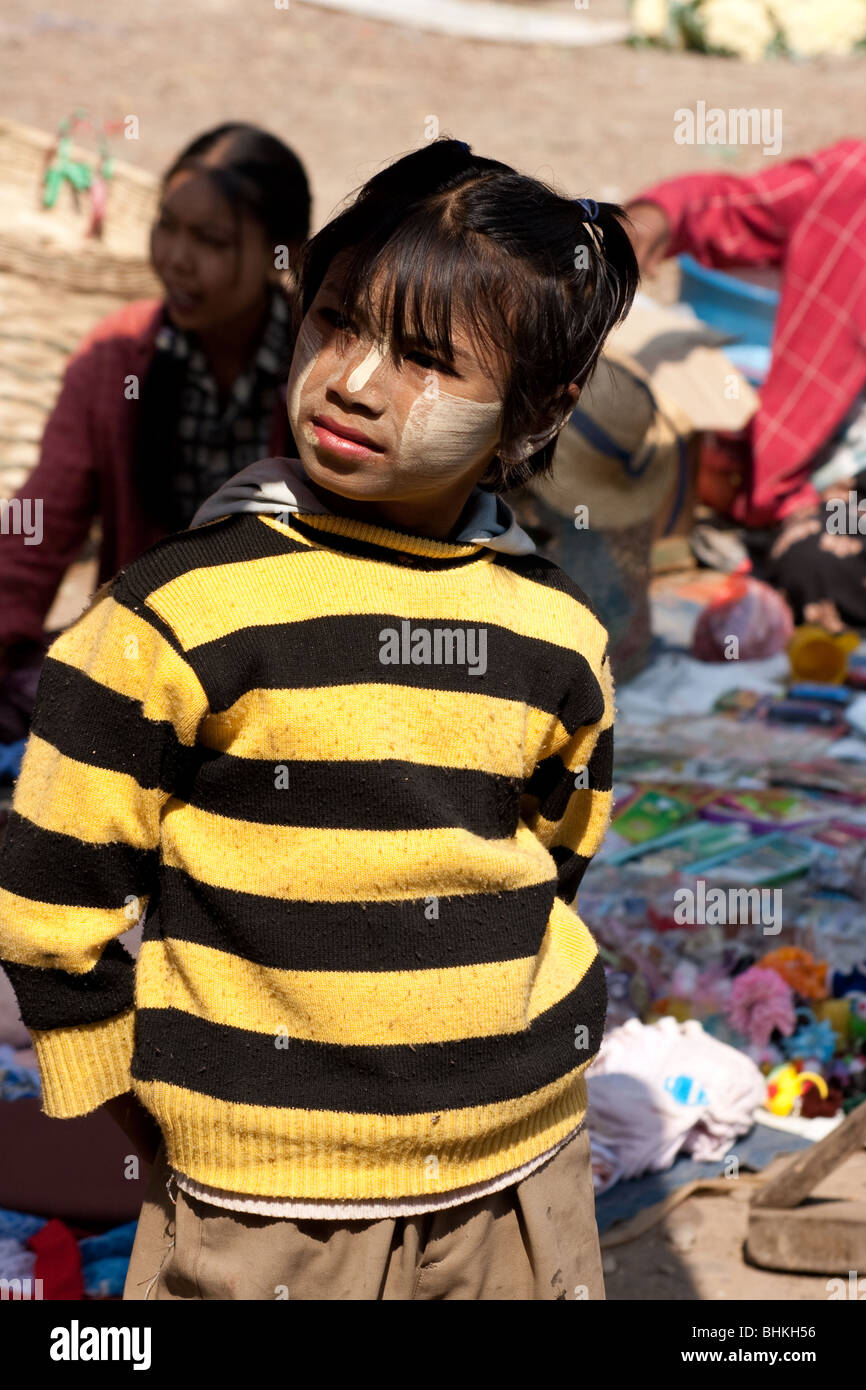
x=803, y=454
x=164, y=399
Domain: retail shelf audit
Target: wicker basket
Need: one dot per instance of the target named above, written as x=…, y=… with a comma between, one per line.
x=51, y=243
x=56, y=283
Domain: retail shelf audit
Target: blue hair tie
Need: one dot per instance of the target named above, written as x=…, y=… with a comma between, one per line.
x=590, y=207
x=463, y=145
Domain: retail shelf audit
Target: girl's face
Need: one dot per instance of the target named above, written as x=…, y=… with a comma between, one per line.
x=370, y=430
x=213, y=272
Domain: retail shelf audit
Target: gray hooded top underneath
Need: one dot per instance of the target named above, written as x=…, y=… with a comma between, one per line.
x=277, y=485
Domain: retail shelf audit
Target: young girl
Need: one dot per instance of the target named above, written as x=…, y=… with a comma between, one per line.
x=209, y=362
x=349, y=739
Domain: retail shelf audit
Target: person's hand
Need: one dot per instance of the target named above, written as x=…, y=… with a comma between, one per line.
x=838, y=491
x=650, y=234
x=138, y=1124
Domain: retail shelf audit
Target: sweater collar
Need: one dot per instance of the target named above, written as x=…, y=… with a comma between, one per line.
x=278, y=485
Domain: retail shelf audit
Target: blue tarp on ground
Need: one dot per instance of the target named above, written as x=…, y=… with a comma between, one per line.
x=754, y=1152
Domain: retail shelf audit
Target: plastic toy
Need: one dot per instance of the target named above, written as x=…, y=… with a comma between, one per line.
x=836, y=1012
x=799, y=969
x=813, y=1103
x=842, y=982
x=812, y=1042
x=761, y=1002
x=857, y=1021
x=818, y=655
x=786, y=1084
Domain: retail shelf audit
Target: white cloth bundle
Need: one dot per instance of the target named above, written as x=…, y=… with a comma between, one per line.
x=656, y=1090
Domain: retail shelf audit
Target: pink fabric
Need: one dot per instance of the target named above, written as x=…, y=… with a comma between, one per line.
x=807, y=216
x=85, y=469
x=760, y=1002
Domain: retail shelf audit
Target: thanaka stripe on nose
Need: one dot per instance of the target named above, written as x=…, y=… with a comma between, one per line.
x=361, y=375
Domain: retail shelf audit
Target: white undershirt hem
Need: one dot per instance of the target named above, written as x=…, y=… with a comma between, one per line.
x=316, y=1210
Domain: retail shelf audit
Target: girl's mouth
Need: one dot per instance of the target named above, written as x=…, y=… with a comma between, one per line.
x=181, y=300
x=340, y=439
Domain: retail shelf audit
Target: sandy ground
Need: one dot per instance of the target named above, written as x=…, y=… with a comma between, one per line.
x=697, y=1250
x=351, y=95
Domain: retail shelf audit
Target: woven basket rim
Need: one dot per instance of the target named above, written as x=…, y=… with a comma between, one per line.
x=50, y=244
x=41, y=142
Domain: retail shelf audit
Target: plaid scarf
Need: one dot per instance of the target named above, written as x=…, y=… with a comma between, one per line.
x=216, y=441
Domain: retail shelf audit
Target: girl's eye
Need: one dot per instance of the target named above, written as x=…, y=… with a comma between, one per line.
x=424, y=360
x=165, y=224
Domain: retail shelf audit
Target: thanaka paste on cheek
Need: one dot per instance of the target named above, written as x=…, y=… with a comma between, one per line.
x=307, y=349
x=449, y=431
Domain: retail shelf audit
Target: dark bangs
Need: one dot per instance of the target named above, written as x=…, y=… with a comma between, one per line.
x=430, y=275
x=445, y=238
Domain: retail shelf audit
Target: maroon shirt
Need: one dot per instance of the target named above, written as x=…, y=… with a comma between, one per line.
x=85, y=470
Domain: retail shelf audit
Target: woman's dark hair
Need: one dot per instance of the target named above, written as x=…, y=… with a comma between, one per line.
x=256, y=173
x=524, y=268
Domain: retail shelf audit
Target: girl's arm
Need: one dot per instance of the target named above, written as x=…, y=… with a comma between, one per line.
x=728, y=219
x=567, y=800
x=57, y=505
x=114, y=725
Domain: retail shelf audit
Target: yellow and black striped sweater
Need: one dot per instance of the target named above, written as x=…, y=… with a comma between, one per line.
x=354, y=777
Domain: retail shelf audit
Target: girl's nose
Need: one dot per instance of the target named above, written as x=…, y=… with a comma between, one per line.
x=363, y=370
x=180, y=257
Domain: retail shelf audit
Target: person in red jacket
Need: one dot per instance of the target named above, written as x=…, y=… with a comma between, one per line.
x=164, y=400
x=799, y=470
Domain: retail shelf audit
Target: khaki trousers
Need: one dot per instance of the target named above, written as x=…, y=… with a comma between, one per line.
x=536, y=1240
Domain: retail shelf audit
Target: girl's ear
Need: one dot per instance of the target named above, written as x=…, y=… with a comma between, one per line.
x=528, y=444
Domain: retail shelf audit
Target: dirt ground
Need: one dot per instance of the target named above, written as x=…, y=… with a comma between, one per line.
x=697, y=1250
x=351, y=95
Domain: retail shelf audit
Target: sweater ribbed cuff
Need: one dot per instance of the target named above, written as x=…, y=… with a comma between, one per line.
x=83, y=1067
